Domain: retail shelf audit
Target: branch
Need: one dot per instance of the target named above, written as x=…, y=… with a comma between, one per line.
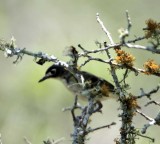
x=125, y=33
x=50, y=141
x=27, y=141
x=102, y=127
x=11, y=50
x=115, y=78
x=81, y=121
x=152, y=121
x=152, y=139
x=153, y=102
x=148, y=95
x=146, y=48
x=1, y=139
x=104, y=29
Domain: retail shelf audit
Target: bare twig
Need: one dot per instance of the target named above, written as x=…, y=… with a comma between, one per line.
x=109, y=56
x=1, y=139
x=109, y=46
x=146, y=48
x=51, y=141
x=27, y=141
x=145, y=116
x=125, y=33
x=151, y=121
x=136, y=39
x=129, y=21
x=104, y=29
x=152, y=139
x=153, y=102
x=148, y=95
x=102, y=127
x=59, y=140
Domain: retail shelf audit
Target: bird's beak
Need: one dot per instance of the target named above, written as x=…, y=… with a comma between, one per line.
x=45, y=77
x=42, y=79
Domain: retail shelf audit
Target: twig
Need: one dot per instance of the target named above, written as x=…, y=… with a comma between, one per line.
x=75, y=105
x=151, y=121
x=147, y=48
x=109, y=56
x=136, y=39
x=95, y=59
x=148, y=95
x=129, y=21
x=109, y=46
x=125, y=32
x=157, y=119
x=104, y=29
x=145, y=116
x=11, y=50
x=154, y=102
x=59, y=140
x=152, y=139
x=98, y=128
x=127, y=44
x=1, y=139
x=27, y=141
x=50, y=141
x=125, y=75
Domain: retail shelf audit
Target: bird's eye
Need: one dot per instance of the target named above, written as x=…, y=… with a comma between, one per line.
x=53, y=71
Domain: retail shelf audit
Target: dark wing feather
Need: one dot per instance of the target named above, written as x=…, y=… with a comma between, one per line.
x=94, y=81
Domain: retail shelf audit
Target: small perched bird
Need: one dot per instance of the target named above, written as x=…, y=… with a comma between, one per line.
x=81, y=83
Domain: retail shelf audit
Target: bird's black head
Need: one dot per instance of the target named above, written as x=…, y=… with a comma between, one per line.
x=54, y=71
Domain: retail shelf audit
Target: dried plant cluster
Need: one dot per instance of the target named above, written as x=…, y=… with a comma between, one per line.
x=128, y=102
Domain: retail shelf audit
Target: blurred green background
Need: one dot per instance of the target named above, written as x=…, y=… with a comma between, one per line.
x=33, y=110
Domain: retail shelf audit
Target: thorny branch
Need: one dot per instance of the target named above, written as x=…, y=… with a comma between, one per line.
x=128, y=102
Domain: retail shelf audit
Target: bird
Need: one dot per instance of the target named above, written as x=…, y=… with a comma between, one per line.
x=81, y=83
